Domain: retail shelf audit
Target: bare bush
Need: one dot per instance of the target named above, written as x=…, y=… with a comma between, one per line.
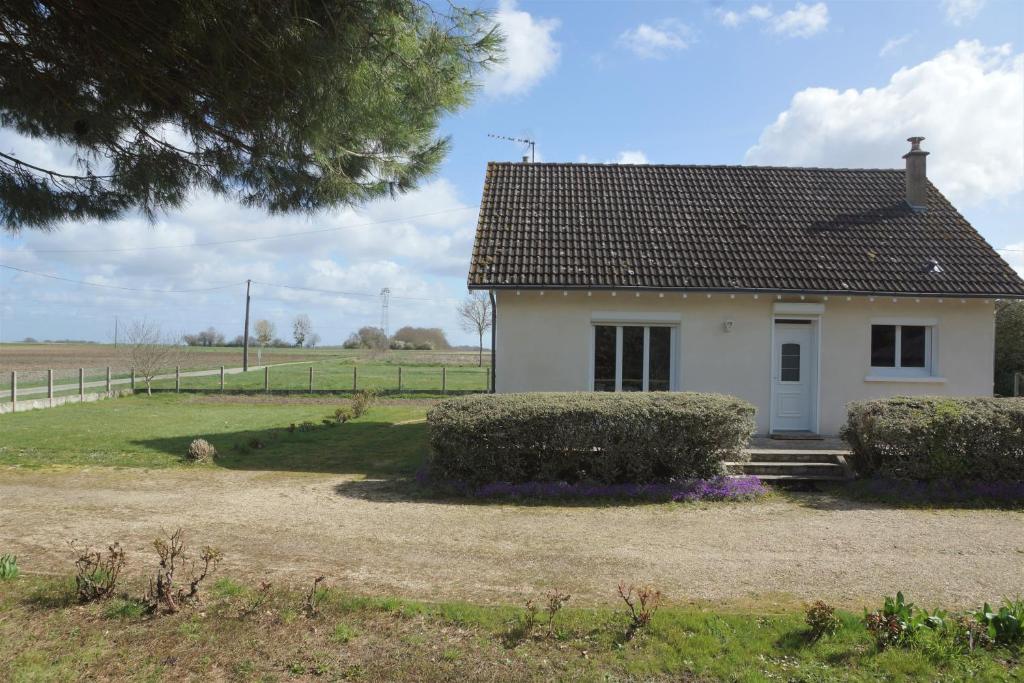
x=201, y=450
x=642, y=602
x=164, y=594
x=361, y=402
x=311, y=606
x=96, y=572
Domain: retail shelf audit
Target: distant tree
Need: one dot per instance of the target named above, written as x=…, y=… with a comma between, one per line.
x=367, y=337
x=285, y=106
x=149, y=352
x=1009, y=344
x=29, y=340
x=422, y=337
x=237, y=341
x=302, y=327
x=475, y=316
x=313, y=340
x=264, y=335
x=208, y=337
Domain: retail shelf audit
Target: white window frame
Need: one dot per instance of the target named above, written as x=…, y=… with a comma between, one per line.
x=673, y=359
x=898, y=371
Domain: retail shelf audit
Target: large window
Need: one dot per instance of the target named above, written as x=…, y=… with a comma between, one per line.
x=901, y=350
x=632, y=358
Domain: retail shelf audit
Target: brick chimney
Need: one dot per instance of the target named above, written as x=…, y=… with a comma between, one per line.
x=917, y=176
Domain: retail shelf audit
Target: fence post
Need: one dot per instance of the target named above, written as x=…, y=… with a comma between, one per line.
x=108, y=379
x=444, y=379
x=177, y=378
x=81, y=384
x=1016, y=383
x=49, y=385
x=399, y=378
x=133, y=378
x=14, y=390
x=266, y=378
x=222, y=378
x=311, y=379
x=355, y=377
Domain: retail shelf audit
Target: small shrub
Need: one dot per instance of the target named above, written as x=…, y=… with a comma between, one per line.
x=163, y=592
x=556, y=601
x=970, y=634
x=361, y=402
x=641, y=606
x=900, y=623
x=257, y=598
x=822, y=620
x=307, y=426
x=343, y=414
x=201, y=450
x=1004, y=626
x=96, y=573
x=937, y=438
x=8, y=567
x=597, y=437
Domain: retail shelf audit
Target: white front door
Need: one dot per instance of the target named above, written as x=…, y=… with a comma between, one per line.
x=795, y=385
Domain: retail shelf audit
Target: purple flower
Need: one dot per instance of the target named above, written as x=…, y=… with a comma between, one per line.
x=719, y=488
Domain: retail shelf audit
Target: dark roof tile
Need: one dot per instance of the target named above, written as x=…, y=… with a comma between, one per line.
x=725, y=227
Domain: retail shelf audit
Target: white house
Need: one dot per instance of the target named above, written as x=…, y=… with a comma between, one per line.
x=797, y=289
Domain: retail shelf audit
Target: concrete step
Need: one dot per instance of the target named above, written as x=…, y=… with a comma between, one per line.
x=801, y=455
x=790, y=470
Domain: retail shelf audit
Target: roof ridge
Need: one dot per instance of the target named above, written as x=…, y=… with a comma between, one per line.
x=743, y=166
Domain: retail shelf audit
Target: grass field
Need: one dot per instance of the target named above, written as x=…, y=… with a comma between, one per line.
x=155, y=431
x=421, y=370
x=243, y=633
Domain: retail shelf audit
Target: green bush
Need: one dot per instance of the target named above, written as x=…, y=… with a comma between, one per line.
x=934, y=437
x=609, y=438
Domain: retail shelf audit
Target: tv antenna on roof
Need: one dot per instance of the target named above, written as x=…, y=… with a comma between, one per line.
x=531, y=143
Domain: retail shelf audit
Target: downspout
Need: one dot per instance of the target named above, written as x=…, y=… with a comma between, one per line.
x=494, y=325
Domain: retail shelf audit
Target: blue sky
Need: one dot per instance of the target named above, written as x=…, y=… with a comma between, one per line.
x=811, y=84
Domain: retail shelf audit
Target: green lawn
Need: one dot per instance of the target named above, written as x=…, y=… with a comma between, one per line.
x=154, y=431
x=238, y=635
x=342, y=374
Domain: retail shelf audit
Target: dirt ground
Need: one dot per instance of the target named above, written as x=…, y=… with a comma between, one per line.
x=374, y=537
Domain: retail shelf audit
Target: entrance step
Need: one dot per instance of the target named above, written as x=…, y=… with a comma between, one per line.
x=780, y=464
x=796, y=436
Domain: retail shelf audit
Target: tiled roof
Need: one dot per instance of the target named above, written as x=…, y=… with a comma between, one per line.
x=725, y=228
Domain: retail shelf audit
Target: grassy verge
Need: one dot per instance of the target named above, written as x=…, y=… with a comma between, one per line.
x=244, y=633
x=155, y=431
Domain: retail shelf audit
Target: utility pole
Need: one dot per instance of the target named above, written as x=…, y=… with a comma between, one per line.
x=245, y=337
x=115, y=331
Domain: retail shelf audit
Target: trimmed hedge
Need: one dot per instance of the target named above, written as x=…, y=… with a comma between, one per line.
x=938, y=438
x=609, y=438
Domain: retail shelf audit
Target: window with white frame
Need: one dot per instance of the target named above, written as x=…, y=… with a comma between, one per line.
x=901, y=350
x=632, y=357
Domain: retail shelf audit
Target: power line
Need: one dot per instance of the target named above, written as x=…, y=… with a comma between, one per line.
x=344, y=293
x=240, y=240
x=126, y=289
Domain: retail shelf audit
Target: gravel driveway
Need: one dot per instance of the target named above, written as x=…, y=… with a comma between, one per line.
x=370, y=537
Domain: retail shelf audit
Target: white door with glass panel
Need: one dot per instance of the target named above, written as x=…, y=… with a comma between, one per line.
x=794, y=390
x=632, y=358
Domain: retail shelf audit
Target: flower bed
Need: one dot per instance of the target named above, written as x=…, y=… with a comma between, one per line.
x=690, y=490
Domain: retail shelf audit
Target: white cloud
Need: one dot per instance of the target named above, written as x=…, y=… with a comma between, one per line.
x=802, y=21
x=531, y=51
x=959, y=12
x=967, y=101
x=894, y=43
x=632, y=156
x=656, y=42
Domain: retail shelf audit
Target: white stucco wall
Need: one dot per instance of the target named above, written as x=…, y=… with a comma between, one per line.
x=544, y=342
